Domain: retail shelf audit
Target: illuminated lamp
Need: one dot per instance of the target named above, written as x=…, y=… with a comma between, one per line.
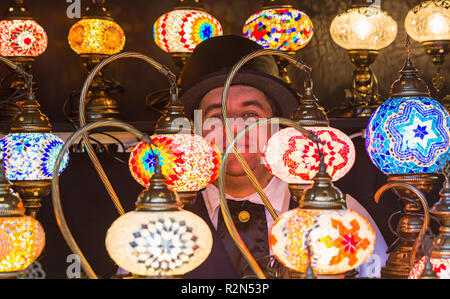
x=94, y=38
x=30, y=149
x=280, y=26
x=363, y=30
x=407, y=139
x=189, y=162
x=22, y=238
x=22, y=39
x=429, y=24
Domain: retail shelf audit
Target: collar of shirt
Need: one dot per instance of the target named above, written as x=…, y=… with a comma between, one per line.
x=277, y=191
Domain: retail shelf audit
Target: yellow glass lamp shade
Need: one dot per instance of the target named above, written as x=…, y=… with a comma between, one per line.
x=182, y=30
x=188, y=162
x=22, y=38
x=367, y=28
x=429, y=21
x=440, y=266
x=285, y=29
x=96, y=36
x=22, y=240
x=159, y=243
x=293, y=158
x=339, y=240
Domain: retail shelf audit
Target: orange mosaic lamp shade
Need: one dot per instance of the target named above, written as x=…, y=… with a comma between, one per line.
x=96, y=36
x=22, y=240
x=294, y=158
x=339, y=240
x=188, y=162
x=440, y=266
x=22, y=38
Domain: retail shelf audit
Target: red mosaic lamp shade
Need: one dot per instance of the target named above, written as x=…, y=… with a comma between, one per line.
x=441, y=266
x=293, y=158
x=22, y=38
x=188, y=162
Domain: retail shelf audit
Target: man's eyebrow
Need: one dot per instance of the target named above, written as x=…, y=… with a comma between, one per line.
x=212, y=107
x=244, y=104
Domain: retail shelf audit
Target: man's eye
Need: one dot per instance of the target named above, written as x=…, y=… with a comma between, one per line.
x=250, y=114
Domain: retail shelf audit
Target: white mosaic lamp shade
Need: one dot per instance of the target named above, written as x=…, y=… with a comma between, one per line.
x=339, y=240
x=294, y=158
x=22, y=38
x=159, y=244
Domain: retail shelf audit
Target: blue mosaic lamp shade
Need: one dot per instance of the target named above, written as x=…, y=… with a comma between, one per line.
x=409, y=135
x=31, y=156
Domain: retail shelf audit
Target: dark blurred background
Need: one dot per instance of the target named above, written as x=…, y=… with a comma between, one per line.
x=59, y=70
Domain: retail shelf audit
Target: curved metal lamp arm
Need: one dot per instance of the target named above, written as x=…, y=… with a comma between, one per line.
x=422, y=201
x=227, y=85
x=90, y=150
x=56, y=197
x=221, y=180
x=27, y=77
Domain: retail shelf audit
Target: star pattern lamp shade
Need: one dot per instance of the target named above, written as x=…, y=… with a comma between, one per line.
x=159, y=243
x=409, y=135
x=182, y=30
x=31, y=156
x=22, y=38
x=441, y=267
x=429, y=21
x=338, y=240
x=22, y=240
x=294, y=158
x=96, y=36
x=365, y=28
x=189, y=162
x=285, y=29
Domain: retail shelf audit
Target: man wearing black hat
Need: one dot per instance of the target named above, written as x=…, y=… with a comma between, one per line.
x=256, y=93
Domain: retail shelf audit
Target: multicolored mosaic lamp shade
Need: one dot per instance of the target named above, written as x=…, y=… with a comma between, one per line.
x=429, y=21
x=182, y=30
x=285, y=29
x=366, y=28
x=159, y=243
x=188, y=162
x=22, y=38
x=31, y=156
x=22, y=240
x=338, y=240
x=294, y=158
x=96, y=36
x=440, y=266
x=409, y=135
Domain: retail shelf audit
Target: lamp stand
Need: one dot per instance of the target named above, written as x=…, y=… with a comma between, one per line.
x=409, y=225
x=437, y=50
x=32, y=193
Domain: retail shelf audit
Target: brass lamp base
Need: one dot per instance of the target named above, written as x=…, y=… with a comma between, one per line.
x=437, y=50
x=409, y=225
x=363, y=97
x=297, y=190
x=31, y=193
x=11, y=275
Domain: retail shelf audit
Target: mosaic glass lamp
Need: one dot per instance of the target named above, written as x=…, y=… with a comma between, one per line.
x=179, y=31
x=159, y=239
x=407, y=139
x=22, y=237
x=189, y=162
x=29, y=153
x=363, y=30
x=322, y=233
x=95, y=37
x=22, y=39
x=280, y=26
x=429, y=24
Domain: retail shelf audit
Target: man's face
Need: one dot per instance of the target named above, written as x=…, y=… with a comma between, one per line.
x=245, y=105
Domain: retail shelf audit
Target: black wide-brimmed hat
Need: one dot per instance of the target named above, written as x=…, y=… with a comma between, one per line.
x=211, y=63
